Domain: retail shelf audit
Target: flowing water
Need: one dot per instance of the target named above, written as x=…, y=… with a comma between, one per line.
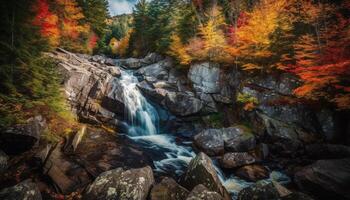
x=168, y=154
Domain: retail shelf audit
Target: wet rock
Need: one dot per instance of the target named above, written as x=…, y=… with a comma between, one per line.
x=208, y=102
x=98, y=151
x=205, y=77
x=286, y=138
x=214, y=141
x=252, y=173
x=326, y=178
x=210, y=141
x=234, y=160
x=259, y=192
x=66, y=175
x=327, y=151
x=114, y=71
x=3, y=162
x=26, y=190
x=130, y=63
x=270, y=191
x=200, y=192
x=155, y=72
x=152, y=58
x=183, y=104
x=238, y=139
x=168, y=189
x=22, y=137
x=201, y=171
x=133, y=184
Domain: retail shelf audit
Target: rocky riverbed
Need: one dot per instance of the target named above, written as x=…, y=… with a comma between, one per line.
x=178, y=134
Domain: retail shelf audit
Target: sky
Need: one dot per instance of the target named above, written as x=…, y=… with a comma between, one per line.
x=117, y=7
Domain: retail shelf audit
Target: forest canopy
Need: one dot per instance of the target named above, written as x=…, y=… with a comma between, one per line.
x=310, y=39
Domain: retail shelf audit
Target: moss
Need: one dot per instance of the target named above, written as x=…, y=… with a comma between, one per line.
x=246, y=98
x=214, y=120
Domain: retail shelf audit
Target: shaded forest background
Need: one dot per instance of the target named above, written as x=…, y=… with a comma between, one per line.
x=310, y=39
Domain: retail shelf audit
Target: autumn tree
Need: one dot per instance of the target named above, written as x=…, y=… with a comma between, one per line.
x=74, y=32
x=254, y=37
x=179, y=50
x=47, y=22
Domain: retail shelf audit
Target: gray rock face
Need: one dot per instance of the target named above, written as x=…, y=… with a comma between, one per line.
x=183, y=104
x=3, y=162
x=205, y=77
x=133, y=184
x=88, y=82
x=238, y=139
x=234, y=160
x=130, y=63
x=287, y=138
x=215, y=141
x=26, y=190
x=326, y=178
x=200, y=192
x=168, y=189
x=210, y=141
x=22, y=137
x=202, y=171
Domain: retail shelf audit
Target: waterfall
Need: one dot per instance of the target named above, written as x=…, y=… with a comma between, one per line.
x=141, y=115
x=169, y=156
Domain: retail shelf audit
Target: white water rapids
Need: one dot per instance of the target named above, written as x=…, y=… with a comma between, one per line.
x=168, y=155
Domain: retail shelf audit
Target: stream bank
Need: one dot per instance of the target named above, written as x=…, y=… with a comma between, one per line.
x=165, y=116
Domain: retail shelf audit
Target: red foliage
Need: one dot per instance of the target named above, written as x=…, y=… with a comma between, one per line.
x=47, y=21
x=92, y=41
x=231, y=30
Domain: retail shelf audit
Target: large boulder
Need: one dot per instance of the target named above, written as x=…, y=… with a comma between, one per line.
x=200, y=192
x=91, y=86
x=133, y=184
x=326, y=178
x=215, y=141
x=238, y=139
x=210, y=141
x=66, y=175
x=26, y=190
x=285, y=138
x=201, y=171
x=168, y=189
x=98, y=151
x=234, y=160
x=183, y=103
x=270, y=191
x=22, y=137
x=3, y=162
x=205, y=77
x=253, y=172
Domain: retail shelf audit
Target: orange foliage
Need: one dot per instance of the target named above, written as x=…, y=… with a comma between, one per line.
x=47, y=21
x=178, y=49
x=71, y=15
x=124, y=44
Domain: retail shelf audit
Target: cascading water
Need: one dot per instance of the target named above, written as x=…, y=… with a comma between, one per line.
x=143, y=127
x=168, y=155
x=142, y=116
